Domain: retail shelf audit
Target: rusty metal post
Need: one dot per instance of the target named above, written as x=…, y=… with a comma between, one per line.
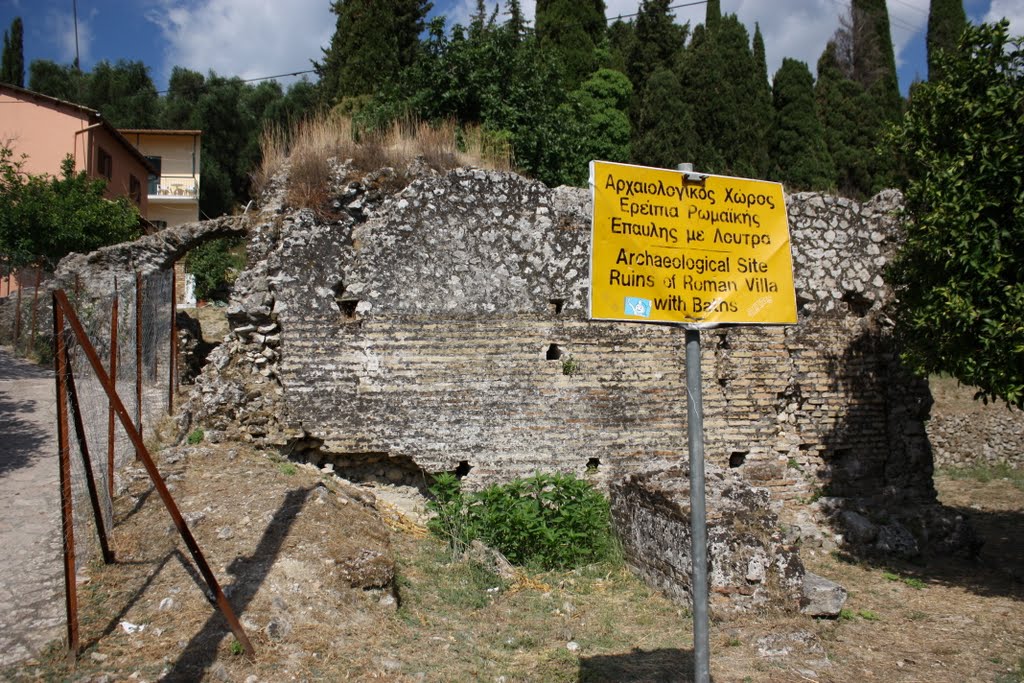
x=60, y=299
x=64, y=457
x=35, y=306
x=138, y=356
x=17, y=316
x=110, y=406
x=83, y=448
x=172, y=363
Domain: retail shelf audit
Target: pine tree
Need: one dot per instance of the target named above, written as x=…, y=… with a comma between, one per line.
x=799, y=153
x=516, y=22
x=946, y=21
x=12, y=69
x=373, y=40
x=572, y=30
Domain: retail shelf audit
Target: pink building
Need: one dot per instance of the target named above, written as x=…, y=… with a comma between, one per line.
x=48, y=129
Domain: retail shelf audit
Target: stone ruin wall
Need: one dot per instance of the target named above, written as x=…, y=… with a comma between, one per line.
x=413, y=332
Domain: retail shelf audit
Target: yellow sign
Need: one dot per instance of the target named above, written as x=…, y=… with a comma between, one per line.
x=668, y=249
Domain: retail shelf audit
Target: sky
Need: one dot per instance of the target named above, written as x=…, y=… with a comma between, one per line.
x=256, y=38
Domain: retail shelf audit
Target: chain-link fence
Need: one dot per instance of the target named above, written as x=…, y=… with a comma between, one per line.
x=130, y=330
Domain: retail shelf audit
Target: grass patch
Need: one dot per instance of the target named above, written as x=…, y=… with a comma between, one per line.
x=986, y=473
x=912, y=582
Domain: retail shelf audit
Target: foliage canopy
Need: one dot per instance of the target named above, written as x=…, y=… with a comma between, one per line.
x=960, y=274
x=43, y=218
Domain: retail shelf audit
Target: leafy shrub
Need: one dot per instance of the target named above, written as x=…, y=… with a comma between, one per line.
x=550, y=521
x=214, y=266
x=196, y=437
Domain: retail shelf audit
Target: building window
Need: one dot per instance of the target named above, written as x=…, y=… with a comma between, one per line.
x=135, y=189
x=105, y=164
x=154, y=180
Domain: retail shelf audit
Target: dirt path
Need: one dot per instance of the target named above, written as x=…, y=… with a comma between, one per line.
x=31, y=607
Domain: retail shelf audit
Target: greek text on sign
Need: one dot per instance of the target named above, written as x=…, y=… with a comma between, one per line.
x=668, y=249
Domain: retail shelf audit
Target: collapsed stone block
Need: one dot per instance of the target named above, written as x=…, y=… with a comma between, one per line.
x=749, y=566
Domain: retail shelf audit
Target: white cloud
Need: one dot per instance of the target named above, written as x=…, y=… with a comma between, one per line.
x=60, y=27
x=244, y=38
x=1012, y=10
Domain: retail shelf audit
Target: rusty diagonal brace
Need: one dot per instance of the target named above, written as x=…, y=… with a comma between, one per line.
x=197, y=555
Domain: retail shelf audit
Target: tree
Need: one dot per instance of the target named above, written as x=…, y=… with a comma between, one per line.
x=12, y=67
x=42, y=218
x=56, y=80
x=572, y=30
x=666, y=132
x=800, y=156
x=946, y=21
x=373, y=40
x=731, y=116
x=656, y=44
x=124, y=93
x=874, y=63
x=959, y=276
x=595, y=125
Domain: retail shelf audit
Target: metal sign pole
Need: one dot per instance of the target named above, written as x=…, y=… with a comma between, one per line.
x=698, y=514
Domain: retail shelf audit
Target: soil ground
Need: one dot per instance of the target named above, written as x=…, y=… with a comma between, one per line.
x=284, y=539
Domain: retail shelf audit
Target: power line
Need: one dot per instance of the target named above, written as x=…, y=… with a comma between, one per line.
x=636, y=14
x=253, y=80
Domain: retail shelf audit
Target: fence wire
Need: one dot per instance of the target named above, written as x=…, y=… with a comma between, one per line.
x=143, y=361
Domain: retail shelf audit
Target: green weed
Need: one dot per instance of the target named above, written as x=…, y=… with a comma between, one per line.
x=196, y=437
x=912, y=582
x=287, y=468
x=547, y=521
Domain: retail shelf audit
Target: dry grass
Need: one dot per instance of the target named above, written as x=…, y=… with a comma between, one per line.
x=307, y=148
x=947, y=621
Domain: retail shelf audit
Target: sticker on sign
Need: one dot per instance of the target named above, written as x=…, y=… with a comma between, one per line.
x=668, y=249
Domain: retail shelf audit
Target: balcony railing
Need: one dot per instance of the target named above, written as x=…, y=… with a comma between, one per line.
x=184, y=188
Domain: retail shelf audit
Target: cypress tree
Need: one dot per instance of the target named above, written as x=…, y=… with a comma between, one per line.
x=666, y=135
x=762, y=96
x=946, y=21
x=713, y=14
x=730, y=109
x=657, y=42
x=572, y=30
x=800, y=156
x=845, y=111
x=874, y=63
x=12, y=69
x=373, y=40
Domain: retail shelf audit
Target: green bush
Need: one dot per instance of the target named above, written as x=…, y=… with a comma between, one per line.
x=548, y=521
x=215, y=265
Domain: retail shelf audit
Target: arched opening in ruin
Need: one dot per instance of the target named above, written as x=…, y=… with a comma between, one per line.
x=593, y=464
x=737, y=458
x=556, y=305
x=463, y=469
x=554, y=352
